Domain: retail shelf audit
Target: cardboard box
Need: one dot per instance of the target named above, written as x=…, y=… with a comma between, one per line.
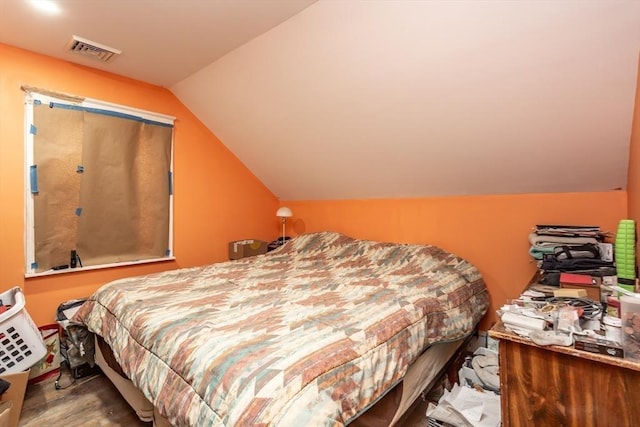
x=15, y=394
x=245, y=248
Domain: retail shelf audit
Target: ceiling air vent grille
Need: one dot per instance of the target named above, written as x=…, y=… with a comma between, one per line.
x=92, y=49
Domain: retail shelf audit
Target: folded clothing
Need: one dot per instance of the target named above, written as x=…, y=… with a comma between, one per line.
x=538, y=252
x=545, y=241
x=588, y=250
x=551, y=263
x=545, y=244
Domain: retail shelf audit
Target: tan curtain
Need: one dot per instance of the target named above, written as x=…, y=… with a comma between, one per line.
x=118, y=207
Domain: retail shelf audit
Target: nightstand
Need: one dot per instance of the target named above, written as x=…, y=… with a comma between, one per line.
x=562, y=386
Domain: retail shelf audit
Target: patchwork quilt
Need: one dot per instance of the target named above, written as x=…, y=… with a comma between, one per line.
x=312, y=333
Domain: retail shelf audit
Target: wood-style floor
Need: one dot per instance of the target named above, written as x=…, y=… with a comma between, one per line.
x=90, y=401
x=94, y=401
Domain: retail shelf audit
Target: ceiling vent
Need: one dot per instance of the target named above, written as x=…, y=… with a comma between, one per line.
x=92, y=49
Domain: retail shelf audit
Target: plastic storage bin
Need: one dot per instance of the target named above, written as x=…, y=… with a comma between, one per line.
x=630, y=315
x=21, y=344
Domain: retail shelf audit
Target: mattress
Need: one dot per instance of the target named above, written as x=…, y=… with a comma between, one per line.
x=385, y=412
x=314, y=332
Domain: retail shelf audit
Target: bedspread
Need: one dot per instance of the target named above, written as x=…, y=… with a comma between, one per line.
x=309, y=334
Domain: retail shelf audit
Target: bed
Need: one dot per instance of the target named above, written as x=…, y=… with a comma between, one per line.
x=317, y=332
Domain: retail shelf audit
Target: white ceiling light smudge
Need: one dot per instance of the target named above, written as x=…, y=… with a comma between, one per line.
x=46, y=6
x=92, y=49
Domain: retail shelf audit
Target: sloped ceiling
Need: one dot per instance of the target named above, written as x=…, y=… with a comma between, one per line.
x=162, y=41
x=386, y=99
x=377, y=99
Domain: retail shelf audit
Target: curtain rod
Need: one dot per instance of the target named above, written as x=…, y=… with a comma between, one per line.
x=47, y=92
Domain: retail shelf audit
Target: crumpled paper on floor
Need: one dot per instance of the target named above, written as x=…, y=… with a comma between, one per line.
x=467, y=407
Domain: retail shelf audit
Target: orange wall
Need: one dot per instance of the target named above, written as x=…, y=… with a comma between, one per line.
x=489, y=231
x=633, y=177
x=216, y=198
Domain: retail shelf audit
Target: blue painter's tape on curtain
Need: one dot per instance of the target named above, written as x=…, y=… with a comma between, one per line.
x=33, y=178
x=109, y=113
x=170, y=183
x=33, y=130
x=34, y=265
x=78, y=211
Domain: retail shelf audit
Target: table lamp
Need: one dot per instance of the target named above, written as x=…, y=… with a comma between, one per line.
x=284, y=213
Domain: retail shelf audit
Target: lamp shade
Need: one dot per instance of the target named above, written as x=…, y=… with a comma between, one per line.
x=284, y=212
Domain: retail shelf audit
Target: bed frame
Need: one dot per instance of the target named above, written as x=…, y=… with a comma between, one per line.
x=420, y=376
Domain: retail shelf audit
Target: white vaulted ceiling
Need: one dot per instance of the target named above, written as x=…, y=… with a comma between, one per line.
x=374, y=99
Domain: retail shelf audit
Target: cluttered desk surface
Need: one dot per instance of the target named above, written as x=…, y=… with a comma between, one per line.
x=499, y=332
x=504, y=330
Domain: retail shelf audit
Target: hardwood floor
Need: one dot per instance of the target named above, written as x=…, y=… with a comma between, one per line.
x=94, y=401
x=91, y=401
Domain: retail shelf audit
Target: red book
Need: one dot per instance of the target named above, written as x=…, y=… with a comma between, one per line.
x=577, y=279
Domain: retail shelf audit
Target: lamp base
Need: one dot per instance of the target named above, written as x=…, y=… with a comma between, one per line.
x=278, y=242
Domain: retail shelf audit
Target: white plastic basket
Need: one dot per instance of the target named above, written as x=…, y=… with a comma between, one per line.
x=21, y=344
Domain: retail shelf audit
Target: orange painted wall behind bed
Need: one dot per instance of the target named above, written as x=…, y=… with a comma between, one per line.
x=217, y=199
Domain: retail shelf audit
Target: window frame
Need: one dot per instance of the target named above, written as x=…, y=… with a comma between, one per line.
x=31, y=96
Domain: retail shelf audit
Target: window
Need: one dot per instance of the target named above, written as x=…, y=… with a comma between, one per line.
x=98, y=184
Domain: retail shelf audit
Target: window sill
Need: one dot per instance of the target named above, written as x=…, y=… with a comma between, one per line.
x=97, y=267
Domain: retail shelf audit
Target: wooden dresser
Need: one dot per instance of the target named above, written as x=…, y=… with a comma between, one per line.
x=561, y=386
